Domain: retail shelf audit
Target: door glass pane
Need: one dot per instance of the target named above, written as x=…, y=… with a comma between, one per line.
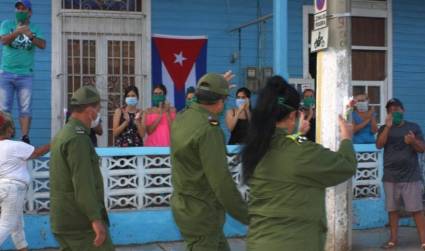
x=81, y=64
x=121, y=74
x=358, y=90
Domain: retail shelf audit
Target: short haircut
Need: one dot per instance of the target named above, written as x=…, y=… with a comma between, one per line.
x=129, y=89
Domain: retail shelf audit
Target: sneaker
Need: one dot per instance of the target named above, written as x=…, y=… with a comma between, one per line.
x=26, y=139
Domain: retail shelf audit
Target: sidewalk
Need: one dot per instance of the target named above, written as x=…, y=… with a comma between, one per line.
x=363, y=240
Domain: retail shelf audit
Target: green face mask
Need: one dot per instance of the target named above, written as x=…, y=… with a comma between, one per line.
x=189, y=102
x=21, y=17
x=397, y=118
x=309, y=102
x=157, y=100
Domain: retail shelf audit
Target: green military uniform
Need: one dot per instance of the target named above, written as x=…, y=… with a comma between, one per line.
x=203, y=186
x=287, y=196
x=76, y=184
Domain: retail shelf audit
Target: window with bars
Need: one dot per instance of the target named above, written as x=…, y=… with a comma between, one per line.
x=81, y=64
x=104, y=5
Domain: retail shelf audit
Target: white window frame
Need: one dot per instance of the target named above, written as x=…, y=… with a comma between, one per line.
x=59, y=52
x=362, y=8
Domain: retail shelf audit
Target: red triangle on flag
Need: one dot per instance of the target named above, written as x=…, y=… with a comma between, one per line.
x=178, y=56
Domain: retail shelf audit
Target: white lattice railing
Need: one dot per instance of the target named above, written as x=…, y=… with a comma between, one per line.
x=140, y=178
x=367, y=181
x=134, y=178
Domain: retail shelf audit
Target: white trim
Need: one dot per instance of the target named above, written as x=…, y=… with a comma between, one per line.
x=369, y=48
x=368, y=83
x=389, y=84
x=307, y=9
x=57, y=89
x=178, y=37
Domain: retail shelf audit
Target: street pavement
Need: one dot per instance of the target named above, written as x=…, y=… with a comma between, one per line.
x=363, y=240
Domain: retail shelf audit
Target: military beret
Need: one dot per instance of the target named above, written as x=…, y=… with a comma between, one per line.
x=215, y=83
x=85, y=95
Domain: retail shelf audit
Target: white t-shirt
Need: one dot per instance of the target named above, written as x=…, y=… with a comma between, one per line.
x=13, y=160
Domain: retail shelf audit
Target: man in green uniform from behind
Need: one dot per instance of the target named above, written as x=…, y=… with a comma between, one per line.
x=203, y=186
x=78, y=214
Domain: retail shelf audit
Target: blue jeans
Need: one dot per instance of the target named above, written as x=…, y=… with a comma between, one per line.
x=22, y=85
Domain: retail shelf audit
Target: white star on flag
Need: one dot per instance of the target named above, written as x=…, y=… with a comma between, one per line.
x=179, y=58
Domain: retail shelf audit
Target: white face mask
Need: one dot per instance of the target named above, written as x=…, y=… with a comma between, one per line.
x=95, y=122
x=362, y=106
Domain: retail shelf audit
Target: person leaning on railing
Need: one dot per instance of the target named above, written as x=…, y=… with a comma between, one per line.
x=288, y=174
x=14, y=181
x=203, y=186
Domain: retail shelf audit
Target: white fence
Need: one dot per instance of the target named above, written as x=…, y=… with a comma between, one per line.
x=140, y=178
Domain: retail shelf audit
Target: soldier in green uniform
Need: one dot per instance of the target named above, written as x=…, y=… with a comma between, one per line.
x=288, y=174
x=78, y=215
x=203, y=186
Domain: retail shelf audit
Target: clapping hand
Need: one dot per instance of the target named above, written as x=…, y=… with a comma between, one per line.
x=409, y=138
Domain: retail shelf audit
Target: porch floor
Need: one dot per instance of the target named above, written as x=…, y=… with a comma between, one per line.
x=363, y=240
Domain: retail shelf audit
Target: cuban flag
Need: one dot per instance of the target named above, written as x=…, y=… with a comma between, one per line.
x=178, y=62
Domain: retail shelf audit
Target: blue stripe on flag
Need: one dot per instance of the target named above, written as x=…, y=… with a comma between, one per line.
x=201, y=62
x=156, y=66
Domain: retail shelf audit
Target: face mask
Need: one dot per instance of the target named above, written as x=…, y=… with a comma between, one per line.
x=397, y=118
x=157, y=100
x=131, y=101
x=240, y=102
x=189, y=102
x=362, y=106
x=21, y=17
x=95, y=122
x=309, y=102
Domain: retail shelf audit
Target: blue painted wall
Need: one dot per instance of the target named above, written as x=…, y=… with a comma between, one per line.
x=409, y=57
x=40, y=129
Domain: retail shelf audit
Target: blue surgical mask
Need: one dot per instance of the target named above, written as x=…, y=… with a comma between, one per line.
x=131, y=101
x=240, y=102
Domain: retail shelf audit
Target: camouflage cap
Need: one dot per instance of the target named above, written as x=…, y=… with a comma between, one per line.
x=85, y=95
x=215, y=83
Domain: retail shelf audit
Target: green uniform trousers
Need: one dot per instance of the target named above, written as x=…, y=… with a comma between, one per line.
x=82, y=242
x=285, y=234
x=211, y=242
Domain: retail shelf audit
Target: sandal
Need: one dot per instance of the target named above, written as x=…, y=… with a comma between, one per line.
x=391, y=245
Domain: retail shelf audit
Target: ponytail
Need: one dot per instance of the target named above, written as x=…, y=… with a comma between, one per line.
x=275, y=102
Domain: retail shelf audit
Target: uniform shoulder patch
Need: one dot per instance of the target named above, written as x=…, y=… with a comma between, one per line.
x=299, y=139
x=79, y=130
x=213, y=121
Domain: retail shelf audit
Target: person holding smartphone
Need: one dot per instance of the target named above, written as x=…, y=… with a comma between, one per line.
x=159, y=118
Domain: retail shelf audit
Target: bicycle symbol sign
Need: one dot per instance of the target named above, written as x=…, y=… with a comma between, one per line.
x=319, y=39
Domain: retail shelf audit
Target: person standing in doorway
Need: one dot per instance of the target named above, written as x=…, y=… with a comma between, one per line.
x=20, y=38
x=78, y=214
x=402, y=141
x=237, y=119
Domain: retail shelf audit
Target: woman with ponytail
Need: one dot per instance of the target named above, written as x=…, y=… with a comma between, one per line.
x=288, y=174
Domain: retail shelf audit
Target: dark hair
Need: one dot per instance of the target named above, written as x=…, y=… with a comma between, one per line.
x=162, y=87
x=190, y=90
x=131, y=88
x=207, y=98
x=275, y=102
x=245, y=90
x=6, y=122
x=308, y=90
